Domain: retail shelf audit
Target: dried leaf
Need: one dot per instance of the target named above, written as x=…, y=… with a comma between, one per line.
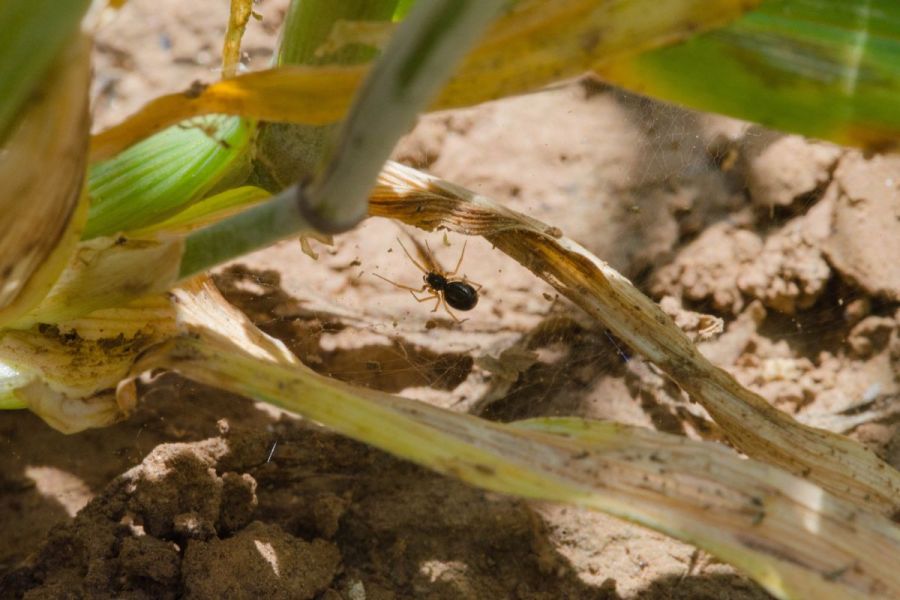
x=42, y=169
x=839, y=464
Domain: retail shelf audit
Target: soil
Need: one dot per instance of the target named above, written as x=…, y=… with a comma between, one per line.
x=791, y=243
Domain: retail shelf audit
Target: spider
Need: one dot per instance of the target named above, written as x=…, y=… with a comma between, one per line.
x=443, y=286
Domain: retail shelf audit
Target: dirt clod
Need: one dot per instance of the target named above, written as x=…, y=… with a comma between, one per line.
x=261, y=561
x=707, y=269
x=147, y=558
x=866, y=222
x=782, y=169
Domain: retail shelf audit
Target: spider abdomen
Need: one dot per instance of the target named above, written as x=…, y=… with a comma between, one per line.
x=460, y=295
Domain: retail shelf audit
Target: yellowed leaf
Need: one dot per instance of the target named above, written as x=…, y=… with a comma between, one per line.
x=42, y=167
x=536, y=43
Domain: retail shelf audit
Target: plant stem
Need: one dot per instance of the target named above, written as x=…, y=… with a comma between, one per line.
x=255, y=228
x=309, y=22
x=290, y=152
x=418, y=60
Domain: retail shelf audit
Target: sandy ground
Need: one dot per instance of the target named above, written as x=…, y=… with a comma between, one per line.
x=201, y=494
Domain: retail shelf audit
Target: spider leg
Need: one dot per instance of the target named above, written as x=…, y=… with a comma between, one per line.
x=432, y=297
x=449, y=312
x=477, y=285
x=438, y=303
x=409, y=256
x=400, y=285
x=459, y=262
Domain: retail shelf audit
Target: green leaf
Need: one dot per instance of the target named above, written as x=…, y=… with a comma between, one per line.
x=160, y=176
x=823, y=68
x=308, y=24
x=403, y=8
x=207, y=211
x=31, y=35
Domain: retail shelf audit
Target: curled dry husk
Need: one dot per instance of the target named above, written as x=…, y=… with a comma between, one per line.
x=106, y=309
x=76, y=374
x=756, y=428
x=42, y=166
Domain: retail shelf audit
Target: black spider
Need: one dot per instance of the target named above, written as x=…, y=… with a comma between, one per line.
x=461, y=294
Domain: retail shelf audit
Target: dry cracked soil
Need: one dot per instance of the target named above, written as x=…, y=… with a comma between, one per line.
x=200, y=494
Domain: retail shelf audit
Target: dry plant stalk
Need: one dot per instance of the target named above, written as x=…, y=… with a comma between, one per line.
x=835, y=462
x=794, y=538
x=107, y=273
x=42, y=167
x=237, y=23
x=75, y=374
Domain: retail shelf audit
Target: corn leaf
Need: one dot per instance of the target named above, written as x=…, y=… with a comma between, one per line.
x=42, y=168
x=162, y=175
x=107, y=273
x=313, y=95
x=824, y=68
x=535, y=43
x=791, y=536
x=206, y=211
x=75, y=375
x=543, y=41
x=32, y=34
x=839, y=464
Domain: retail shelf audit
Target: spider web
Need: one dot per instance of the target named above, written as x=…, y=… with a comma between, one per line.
x=639, y=183
x=662, y=194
